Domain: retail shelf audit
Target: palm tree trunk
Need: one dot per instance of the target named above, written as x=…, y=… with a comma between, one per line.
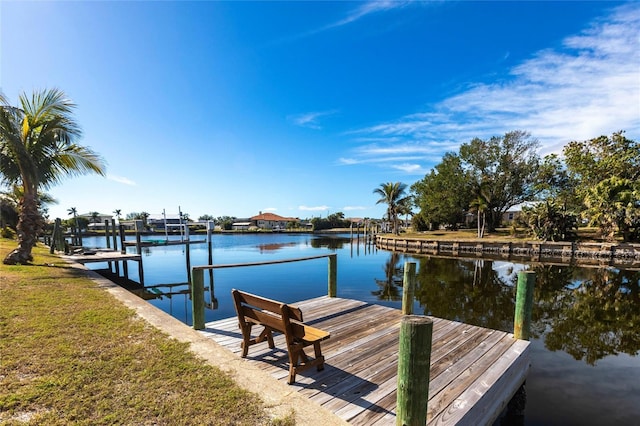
x=29, y=225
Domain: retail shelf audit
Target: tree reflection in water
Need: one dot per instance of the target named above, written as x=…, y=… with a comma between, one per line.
x=589, y=313
x=390, y=288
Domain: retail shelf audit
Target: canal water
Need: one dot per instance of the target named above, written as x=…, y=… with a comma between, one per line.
x=586, y=320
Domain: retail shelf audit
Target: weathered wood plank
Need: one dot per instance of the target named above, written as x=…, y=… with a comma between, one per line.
x=474, y=370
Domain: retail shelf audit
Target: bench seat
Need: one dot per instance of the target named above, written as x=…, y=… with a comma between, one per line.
x=279, y=317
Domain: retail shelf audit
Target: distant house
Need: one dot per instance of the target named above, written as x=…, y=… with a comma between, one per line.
x=272, y=221
x=242, y=224
x=158, y=221
x=96, y=223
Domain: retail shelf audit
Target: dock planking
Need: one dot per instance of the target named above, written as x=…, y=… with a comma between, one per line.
x=101, y=255
x=474, y=371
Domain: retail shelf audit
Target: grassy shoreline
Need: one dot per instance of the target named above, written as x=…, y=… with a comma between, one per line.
x=72, y=353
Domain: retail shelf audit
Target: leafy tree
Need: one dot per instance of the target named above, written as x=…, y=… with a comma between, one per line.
x=334, y=220
x=506, y=168
x=614, y=203
x=595, y=160
x=38, y=150
x=206, y=217
x=8, y=212
x=548, y=220
x=608, y=170
x=95, y=217
x=443, y=195
x=393, y=195
x=225, y=222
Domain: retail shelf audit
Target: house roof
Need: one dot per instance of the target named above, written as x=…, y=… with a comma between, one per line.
x=273, y=217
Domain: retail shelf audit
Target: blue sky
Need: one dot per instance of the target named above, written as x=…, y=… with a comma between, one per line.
x=303, y=108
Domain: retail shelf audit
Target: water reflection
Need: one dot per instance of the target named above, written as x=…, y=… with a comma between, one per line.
x=390, y=288
x=589, y=321
x=589, y=313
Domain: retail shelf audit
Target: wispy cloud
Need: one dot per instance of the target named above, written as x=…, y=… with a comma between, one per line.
x=314, y=208
x=588, y=87
x=363, y=10
x=352, y=208
x=310, y=119
x=121, y=179
x=270, y=209
x=368, y=8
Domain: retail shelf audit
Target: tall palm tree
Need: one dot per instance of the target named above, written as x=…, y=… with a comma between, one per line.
x=38, y=150
x=393, y=195
x=117, y=212
x=74, y=212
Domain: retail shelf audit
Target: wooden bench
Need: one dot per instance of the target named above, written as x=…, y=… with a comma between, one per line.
x=287, y=319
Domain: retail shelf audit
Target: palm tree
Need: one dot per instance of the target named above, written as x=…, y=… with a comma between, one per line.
x=74, y=212
x=95, y=217
x=392, y=194
x=479, y=204
x=38, y=150
x=117, y=212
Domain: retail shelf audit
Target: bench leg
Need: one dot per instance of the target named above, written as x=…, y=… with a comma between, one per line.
x=246, y=337
x=318, y=354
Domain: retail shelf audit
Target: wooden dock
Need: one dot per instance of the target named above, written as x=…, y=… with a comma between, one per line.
x=108, y=256
x=474, y=371
x=101, y=255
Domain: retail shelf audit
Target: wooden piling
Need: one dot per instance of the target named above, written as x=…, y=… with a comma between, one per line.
x=414, y=360
x=333, y=275
x=108, y=238
x=524, y=305
x=123, y=248
x=408, y=288
x=197, y=298
x=115, y=245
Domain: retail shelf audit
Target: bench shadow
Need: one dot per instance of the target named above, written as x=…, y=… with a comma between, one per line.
x=332, y=382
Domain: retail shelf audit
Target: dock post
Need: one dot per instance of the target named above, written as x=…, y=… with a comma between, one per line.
x=197, y=298
x=524, y=305
x=210, y=228
x=115, y=246
x=333, y=275
x=123, y=248
x=107, y=236
x=408, y=287
x=414, y=363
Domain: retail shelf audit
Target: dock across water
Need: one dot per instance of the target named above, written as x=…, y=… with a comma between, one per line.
x=475, y=371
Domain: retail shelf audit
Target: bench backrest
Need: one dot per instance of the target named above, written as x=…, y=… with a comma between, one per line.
x=277, y=315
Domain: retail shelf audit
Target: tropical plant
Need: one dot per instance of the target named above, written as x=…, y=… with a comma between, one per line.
x=73, y=211
x=393, y=195
x=38, y=150
x=612, y=204
x=549, y=221
x=480, y=206
x=117, y=212
x=95, y=217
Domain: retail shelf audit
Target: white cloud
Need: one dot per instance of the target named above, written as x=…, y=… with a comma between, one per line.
x=352, y=208
x=270, y=209
x=368, y=8
x=410, y=169
x=313, y=209
x=587, y=88
x=310, y=119
x=121, y=179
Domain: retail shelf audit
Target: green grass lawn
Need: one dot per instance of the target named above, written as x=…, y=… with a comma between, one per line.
x=70, y=353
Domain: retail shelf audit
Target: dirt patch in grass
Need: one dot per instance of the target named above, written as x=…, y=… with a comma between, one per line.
x=72, y=354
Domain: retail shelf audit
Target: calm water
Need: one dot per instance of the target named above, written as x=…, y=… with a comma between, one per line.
x=586, y=321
